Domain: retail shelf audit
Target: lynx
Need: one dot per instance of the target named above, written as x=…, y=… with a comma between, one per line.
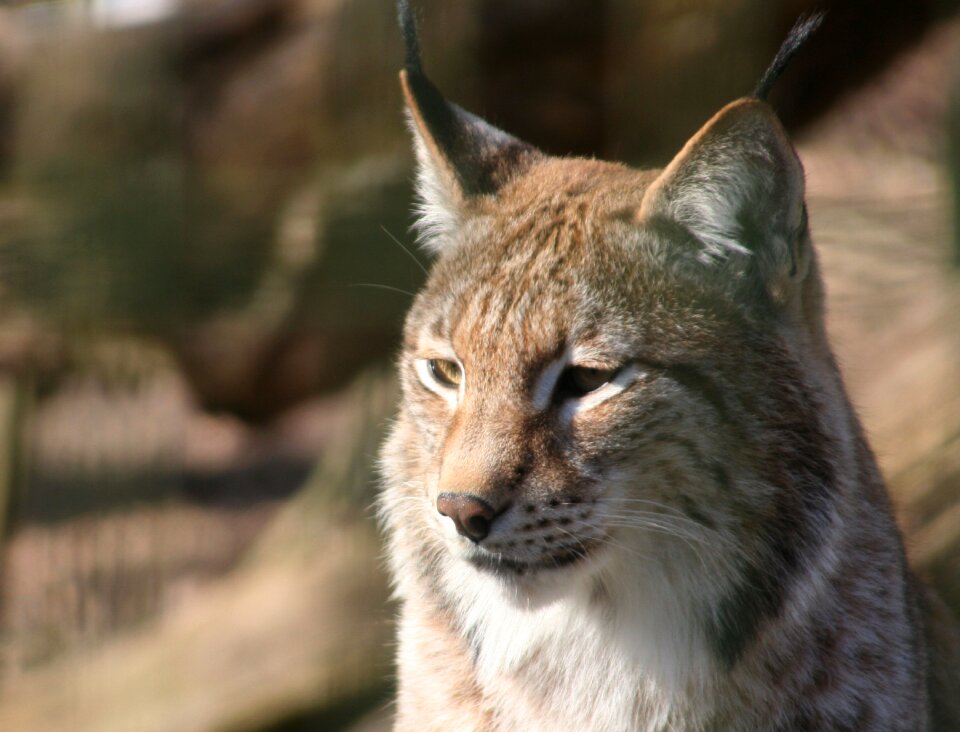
x=626, y=489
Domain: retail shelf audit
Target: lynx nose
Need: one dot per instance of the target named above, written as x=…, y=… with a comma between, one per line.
x=471, y=515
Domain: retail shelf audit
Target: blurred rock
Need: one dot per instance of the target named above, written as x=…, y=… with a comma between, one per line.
x=218, y=179
x=674, y=64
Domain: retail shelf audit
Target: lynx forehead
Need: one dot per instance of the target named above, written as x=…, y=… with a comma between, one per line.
x=625, y=489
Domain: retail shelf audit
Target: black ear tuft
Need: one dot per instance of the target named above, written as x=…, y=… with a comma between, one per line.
x=461, y=156
x=411, y=41
x=795, y=40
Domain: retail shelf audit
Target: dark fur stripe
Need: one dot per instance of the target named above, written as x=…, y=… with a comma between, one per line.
x=756, y=598
x=798, y=465
x=691, y=510
x=716, y=470
x=693, y=379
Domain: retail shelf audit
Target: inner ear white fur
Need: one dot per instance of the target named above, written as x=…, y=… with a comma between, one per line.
x=438, y=204
x=460, y=158
x=737, y=186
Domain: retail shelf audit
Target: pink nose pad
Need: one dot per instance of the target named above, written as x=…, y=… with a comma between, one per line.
x=472, y=516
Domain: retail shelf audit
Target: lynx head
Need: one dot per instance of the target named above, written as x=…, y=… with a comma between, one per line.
x=608, y=367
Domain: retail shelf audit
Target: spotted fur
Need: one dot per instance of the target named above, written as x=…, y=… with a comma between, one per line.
x=705, y=545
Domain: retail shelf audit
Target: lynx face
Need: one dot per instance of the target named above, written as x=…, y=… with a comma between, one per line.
x=581, y=369
x=560, y=374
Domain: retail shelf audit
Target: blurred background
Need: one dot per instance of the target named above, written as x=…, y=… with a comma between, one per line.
x=205, y=260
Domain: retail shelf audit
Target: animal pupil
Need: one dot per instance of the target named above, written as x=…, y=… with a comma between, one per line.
x=578, y=381
x=445, y=372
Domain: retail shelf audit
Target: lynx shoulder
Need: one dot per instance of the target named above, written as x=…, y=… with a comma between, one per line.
x=626, y=489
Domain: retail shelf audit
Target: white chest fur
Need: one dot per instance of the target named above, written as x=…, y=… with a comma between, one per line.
x=604, y=655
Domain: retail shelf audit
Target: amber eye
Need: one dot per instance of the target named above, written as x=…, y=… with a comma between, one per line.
x=578, y=381
x=445, y=372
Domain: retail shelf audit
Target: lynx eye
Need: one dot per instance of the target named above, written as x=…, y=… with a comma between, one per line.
x=578, y=381
x=444, y=372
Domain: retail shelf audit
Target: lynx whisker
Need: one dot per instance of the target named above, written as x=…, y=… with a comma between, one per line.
x=691, y=542
x=389, y=288
x=671, y=516
x=405, y=249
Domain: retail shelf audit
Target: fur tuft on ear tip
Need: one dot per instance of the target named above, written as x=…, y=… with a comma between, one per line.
x=461, y=158
x=796, y=39
x=411, y=39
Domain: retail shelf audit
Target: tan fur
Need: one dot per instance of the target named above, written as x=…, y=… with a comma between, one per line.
x=702, y=543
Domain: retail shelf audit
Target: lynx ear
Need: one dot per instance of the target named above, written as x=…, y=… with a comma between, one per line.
x=460, y=156
x=737, y=187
